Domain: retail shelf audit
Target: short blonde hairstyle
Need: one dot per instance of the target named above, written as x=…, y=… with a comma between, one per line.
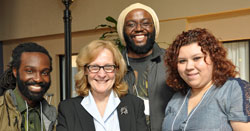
x=88, y=54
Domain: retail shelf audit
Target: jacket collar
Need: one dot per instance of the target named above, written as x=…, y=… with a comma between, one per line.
x=90, y=106
x=47, y=110
x=87, y=120
x=124, y=118
x=8, y=95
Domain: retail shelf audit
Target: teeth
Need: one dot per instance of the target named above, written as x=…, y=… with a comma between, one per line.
x=139, y=38
x=35, y=87
x=101, y=81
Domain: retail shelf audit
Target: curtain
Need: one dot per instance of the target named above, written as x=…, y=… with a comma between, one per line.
x=238, y=53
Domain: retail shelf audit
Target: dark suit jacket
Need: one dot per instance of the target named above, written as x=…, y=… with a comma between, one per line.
x=73, y=117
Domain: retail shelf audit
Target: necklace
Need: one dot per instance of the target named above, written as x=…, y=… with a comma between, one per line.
x=172, y=128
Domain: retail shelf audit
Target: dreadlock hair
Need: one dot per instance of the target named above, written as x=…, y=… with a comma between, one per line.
x=7, y=79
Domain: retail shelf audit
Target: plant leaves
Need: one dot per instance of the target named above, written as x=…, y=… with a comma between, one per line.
x=111, y=19
x=112, y=33
x=103, y=26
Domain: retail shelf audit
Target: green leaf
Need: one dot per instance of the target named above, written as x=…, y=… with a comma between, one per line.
x=111, y=19
x=112, y=33
x=102, y=26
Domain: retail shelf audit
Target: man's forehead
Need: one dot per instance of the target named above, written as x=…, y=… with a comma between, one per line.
x=35, y=59
x=34, y=54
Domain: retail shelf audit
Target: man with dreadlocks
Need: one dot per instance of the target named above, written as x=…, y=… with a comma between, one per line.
x=23, y=85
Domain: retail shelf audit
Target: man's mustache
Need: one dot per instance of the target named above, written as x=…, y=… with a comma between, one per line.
x=41, y=84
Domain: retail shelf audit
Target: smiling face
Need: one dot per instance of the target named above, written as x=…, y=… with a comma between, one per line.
x=139, y=32
x=102, y=82
x=193, y=68
x=33, y=75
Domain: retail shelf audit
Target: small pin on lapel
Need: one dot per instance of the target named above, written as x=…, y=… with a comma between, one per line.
x=124, y=110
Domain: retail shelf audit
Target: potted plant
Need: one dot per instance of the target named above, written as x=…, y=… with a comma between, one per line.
x=111, y=34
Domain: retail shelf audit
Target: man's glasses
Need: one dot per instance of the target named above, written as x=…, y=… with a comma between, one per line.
x=96, y=68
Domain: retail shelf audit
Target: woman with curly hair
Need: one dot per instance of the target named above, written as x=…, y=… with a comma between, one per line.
x=208, y=97
x=103, y=103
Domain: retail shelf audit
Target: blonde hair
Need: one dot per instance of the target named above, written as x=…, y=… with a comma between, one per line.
x=87, y=55
x=124, y=13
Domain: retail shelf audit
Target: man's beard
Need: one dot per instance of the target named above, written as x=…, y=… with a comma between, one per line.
x=33, y=96
x=130, y=44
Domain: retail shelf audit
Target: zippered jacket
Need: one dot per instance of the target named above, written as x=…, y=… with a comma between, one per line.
x=10, y=117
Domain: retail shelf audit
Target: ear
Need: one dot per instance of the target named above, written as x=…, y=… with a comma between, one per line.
x=85, y=73
x=14, y=71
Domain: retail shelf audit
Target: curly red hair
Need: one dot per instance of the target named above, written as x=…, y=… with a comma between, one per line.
x=223, y=68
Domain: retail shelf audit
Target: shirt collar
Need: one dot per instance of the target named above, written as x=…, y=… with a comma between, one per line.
x=89, y=104
x=21, y=103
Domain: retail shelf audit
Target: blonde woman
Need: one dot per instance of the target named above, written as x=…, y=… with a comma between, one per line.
x=103, y=103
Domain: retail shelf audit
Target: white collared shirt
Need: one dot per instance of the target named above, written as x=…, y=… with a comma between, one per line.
x=109, y=121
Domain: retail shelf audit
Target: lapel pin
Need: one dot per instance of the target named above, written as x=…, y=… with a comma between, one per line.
x=124, y=110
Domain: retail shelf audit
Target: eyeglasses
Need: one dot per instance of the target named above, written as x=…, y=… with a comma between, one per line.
x=96, y=68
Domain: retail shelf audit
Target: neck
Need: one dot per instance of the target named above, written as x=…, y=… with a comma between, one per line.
x=134, y=55
x=29, y=102
x=201, y=91
x=98, y=97
x=101, y=101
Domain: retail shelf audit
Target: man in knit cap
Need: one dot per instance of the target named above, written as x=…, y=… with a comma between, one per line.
x=138, y=26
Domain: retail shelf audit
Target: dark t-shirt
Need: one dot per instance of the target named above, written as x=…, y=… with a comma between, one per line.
x=139, y=66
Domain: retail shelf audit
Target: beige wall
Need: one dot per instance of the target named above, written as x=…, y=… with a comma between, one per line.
x=41, y=21
x=31, y=18
x=169, y=29
x=226, y=26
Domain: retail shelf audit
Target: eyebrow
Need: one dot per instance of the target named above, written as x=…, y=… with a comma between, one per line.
x=35, y=68
x=197, y=54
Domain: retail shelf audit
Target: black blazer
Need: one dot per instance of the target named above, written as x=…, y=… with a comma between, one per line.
x=73, y=117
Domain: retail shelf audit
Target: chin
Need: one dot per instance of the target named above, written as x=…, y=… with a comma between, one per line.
x=140, y=44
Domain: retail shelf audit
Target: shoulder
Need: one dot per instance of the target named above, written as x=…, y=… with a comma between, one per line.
x=132, y=103
x=49, y=110
x=7, y=95
x=232, y=87
x=239, y=82
x=158, y=50
x=236, y=84
x=176, y=99
x=238, y=96
x=68, y=103
x=2, y=97
x=163, y=50
x=131, y=98
x=1, y=91
x=72, y=100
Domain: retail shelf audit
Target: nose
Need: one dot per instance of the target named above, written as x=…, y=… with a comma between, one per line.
x=38, y=78
x=138, y=27
x=101, y=73
x=190, y=65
